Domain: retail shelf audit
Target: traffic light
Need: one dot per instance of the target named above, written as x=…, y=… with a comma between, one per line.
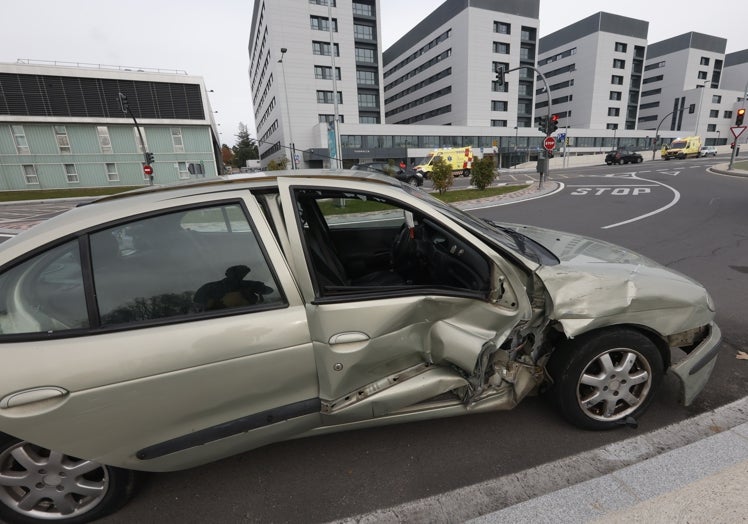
x=543, y=124
x=123, y=102
x=148, y=158
x=500, y=76
x=554, y=125
x=739, y=118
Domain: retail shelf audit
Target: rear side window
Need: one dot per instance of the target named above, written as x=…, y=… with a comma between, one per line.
x=174, y=266
x=179, y=264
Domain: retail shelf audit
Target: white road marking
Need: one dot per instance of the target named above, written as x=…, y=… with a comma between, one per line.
x=675, y=200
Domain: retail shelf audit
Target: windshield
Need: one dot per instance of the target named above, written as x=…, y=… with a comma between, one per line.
x=424, y=161
x=680, y=144
x=508, y=238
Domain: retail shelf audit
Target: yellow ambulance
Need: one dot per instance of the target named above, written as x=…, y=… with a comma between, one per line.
x=459, y=158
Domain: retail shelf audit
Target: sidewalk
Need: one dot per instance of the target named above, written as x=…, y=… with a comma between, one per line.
x=695, y=471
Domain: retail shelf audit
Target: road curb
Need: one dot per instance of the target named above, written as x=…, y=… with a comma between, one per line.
x=493, y=495
x=722, y=169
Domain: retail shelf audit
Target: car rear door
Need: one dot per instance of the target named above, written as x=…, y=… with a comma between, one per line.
x=383, y=344
x=193, y=344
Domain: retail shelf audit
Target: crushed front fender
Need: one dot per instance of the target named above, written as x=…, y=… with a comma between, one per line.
x=694, y=371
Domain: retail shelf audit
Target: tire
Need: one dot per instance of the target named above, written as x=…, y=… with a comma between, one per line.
x=603, y=378
x=466, y=172
x=413, y=181
x=639, y=160
x=59, y=494
x=621, y=162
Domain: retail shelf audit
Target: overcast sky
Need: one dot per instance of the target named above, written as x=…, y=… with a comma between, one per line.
x=209, y=38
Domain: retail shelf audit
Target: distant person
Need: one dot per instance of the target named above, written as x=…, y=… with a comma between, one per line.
x=402, y=164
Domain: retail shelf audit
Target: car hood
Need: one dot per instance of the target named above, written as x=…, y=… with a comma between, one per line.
x=598, y=284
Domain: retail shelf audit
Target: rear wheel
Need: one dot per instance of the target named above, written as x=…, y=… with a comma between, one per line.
x=40, y=485
x=621, y=162
x=602, y=378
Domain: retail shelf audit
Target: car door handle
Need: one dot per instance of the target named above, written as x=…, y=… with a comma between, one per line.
x=349, y=337
x=29, y=396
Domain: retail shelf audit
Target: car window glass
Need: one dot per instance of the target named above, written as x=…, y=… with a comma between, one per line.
x=44, y=294
x=359, y=243
x=182, y=263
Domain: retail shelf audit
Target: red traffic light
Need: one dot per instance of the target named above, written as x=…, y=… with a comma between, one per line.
x=554, y=118
x=147, y=170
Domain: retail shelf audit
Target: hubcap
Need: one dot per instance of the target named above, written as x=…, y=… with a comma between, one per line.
x=614, y=384
x=48, y=485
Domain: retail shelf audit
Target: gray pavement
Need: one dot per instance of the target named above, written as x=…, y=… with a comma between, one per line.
x=694, y=471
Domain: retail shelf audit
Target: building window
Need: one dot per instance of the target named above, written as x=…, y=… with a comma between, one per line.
x=323, y=2
x=716, y=99
x=620, y=47
x=363, y=32
x=614, y=111
x=323, y=48
x=176, y=140
x=71, y=174
x=368, y=100
x=29, y=174
x=496, y=88
x=616, y=80
x=498, y=105
x=362, y=10
x=368, y=78
x=702, y=75
x=368, y=119
x=140, y=145
x=615, y=95
x=611, y=126
x=105, y=143
x=501, y=47
x=63, y=142
x=325, y=72
x=524, y=108
x=183, y=171
x=321, y=23
x=364, y=55
x=727, y=114
x=19, y=137
x=329, y=118
x=714, y=113
x=111, y=172
x=526, y=53
x=704, y=61
x=498, y=123
x=503, y=28
x=711, y=128
x=619, y=64
x=326, y=97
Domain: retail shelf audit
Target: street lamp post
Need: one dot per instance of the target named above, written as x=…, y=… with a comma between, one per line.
x=516, y=146
x=657, y=132
x=288, y=109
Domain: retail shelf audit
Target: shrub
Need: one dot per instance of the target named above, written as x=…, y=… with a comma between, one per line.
x=278, y=166
x=482, y=173
x=441, y=175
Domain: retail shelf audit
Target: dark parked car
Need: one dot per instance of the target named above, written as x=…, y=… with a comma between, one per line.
x=409, y=176
x=623, y=157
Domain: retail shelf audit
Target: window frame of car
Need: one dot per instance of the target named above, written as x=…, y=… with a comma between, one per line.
x=260, y=229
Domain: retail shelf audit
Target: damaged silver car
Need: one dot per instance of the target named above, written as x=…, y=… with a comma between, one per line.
x=162, y=329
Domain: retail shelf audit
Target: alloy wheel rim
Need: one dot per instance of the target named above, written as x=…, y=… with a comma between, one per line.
x=49, y=485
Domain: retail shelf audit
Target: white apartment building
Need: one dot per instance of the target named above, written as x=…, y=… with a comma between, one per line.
x=594, y=72
x=442, y=71
x=683, y=89
x=735, y=72
x=291, y=64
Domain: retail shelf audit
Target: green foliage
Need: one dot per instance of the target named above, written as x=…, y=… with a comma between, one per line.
x=482, y=173
x=280, y=165
x=441, y=175
x=390, y=168
x=245, y=148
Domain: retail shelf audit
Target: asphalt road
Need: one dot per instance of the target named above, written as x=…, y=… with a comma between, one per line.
x=674, y=212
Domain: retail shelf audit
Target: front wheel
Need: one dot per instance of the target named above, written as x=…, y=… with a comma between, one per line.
x=39, y=485
x=621, y=162
x=602, y=378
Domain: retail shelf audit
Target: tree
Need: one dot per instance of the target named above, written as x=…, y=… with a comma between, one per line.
x=279, y=165
x=227, y=155
x=245, y=148
x=482, y=174
x=441, y=174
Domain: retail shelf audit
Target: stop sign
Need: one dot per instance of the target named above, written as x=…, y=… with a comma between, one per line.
x=147, y=170
x=549, y=143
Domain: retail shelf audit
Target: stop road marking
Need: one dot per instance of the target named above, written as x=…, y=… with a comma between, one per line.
x=616, y=191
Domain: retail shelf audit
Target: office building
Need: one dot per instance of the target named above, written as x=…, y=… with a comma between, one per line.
x=308, y=62
x=594, y=71
x=443, y=70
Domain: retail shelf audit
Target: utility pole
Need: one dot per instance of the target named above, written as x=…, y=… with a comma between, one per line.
x=500, y=72
x=147, y=157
